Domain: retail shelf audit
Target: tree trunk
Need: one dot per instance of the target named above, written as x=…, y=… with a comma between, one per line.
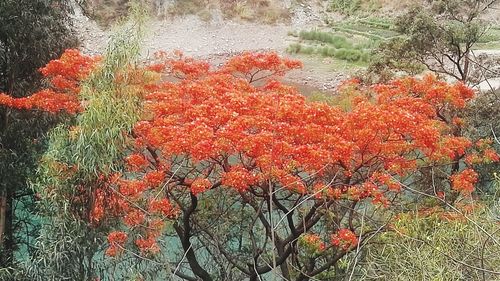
x=3, y=213
x=6, y=231
x=465, y=74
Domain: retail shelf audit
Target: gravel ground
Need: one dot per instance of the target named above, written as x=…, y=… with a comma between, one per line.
x=218, y=39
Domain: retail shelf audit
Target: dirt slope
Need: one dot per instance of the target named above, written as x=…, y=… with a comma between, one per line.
x=219, y=39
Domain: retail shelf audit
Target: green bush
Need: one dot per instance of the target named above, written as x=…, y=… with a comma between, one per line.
x=433, y=248
x=347, y=7
x=294, y=48
x=352, y=55
x=326, y=37
x=308, y=50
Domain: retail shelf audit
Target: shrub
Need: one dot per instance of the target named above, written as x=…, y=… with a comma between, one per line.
x=352, y=55
x=308, y=50
x=428, y=247
x=336, y=40
x=347, y=7
x=294, y=48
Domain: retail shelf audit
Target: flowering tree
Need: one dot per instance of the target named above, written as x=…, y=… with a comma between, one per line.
x=291, y=168
x=32, y=33
x=248, y=178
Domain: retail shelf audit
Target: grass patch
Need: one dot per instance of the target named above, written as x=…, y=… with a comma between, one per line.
x=344, y=54
x=334, y=45
x=326, y=37
x=381, y=23
x=351, y=41
x=492, y=35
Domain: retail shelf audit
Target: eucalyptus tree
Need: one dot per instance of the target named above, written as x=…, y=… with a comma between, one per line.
x=32, y=32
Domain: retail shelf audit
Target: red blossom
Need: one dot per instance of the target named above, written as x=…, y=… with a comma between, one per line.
x=162, y=206
x=314, y=241
x=464, y=181
x=200, y=185
x=136, y=161
x=147, y=245
x=65, y=75
x=344, y=239
x=134, y=218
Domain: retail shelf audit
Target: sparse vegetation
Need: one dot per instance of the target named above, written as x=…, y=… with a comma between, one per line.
x=426, y=247
x=347, y=7
x=350, y=55
x=267, y=11
x=333, y=45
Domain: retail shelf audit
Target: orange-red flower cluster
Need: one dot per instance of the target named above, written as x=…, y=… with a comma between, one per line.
x=136, y=161
x=134, y=218
x=248, y=63
x=239, y=178
x=65, y=75
x=251, y=136
x=345, y=239
x=464, y=181
x=314, y=241
x=200, y=185
x=116, y=240
x=147, y=245
x=162, y=206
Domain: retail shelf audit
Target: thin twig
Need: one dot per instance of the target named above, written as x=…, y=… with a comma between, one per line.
x=305, y=200
x=183, y=257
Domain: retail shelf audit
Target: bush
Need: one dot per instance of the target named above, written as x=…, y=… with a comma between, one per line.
x=308, y=50
x=482, y=121
x=432, y=248
x=352, y=55
x=294, y=48
x=347, y=7
x=326, y=37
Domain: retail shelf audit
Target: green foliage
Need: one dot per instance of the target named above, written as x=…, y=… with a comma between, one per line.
x=32, y=33
x=68, y=245
x=332, y=45
x=430, y=248
x=390, y=58
x=326, y=37
x=482, y=122
x=352, y=55
x=440, y=36
x=382, y=23
x=347, y=7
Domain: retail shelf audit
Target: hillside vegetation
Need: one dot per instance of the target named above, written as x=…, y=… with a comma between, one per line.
x=257, y=140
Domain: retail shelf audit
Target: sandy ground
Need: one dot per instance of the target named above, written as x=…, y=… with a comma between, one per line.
x=219, y=39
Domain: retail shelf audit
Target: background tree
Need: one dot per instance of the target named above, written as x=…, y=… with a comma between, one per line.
x=31, y=34
x=482, y=123
x=440, y=36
